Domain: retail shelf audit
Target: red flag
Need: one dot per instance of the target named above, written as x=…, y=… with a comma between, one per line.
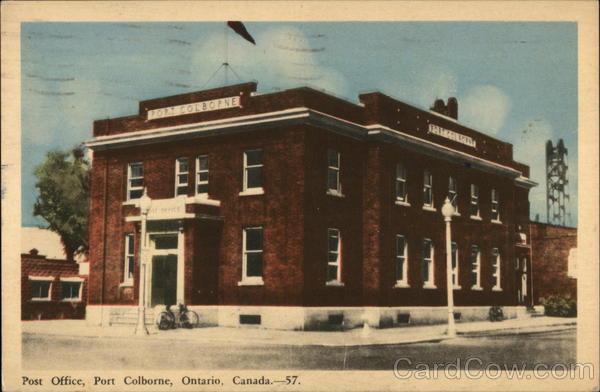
x=239, y=28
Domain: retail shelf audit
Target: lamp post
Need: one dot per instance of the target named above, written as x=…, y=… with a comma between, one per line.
x=447, y=212
x=145, y=204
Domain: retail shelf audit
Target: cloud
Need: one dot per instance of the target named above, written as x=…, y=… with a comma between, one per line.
x=485, y=107
x=283, y=58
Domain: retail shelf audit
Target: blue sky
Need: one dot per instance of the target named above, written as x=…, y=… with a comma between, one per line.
x=514, y=81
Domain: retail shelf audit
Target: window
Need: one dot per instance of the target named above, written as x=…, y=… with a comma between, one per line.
x=401, y=261
x=427, y=189
x=401, y=184
x=253, y=165
x=202, y=175
x=252, y=266
x=453, y=193
x=41, y=287
x=334, y=256
x=181, y=176
x=474, y=201
x=455, y=265
x=428, y=279
x=70, y=290
x=129, y=259
x=135, y=180
x=495, y=206
x=496, y=269
x=475, y=268
x=333, y=172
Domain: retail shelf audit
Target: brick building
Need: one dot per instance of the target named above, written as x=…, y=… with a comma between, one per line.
x=553, y=250
x=301, y=200
x=51, y=288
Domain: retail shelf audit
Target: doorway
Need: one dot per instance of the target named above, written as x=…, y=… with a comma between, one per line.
x=164, y=280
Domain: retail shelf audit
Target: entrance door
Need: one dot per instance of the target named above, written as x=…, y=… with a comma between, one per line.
x=164, y=280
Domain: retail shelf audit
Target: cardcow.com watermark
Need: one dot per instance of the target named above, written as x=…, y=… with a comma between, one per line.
x=475, y=368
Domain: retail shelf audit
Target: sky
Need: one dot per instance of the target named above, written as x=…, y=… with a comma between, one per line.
x=515, y=81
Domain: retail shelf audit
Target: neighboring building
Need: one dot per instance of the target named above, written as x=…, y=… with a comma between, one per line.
x=301, y=200
x=554, y=250
x=51, y=286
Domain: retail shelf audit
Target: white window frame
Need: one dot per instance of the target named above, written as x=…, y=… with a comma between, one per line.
x=495, y=206
x=428, y=189
x=453, y=193
x=401, y=179
x=474, y=201
x=251, y=280
x=455, y=267
x=200, y=171
x=179, y=172
x=72, y=280
x=496, y=269
x=338, y=262
x=254, y=190
x=42, y=279
x=130, y=178
x=337, y=191
x=401, y=257
x=475, y=267
x=128, y=254
x=429, y=284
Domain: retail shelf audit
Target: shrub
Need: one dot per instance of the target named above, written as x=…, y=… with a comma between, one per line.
x=496, y=313
x=560, y=307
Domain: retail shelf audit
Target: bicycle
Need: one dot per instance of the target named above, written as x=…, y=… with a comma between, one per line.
x=184, y=318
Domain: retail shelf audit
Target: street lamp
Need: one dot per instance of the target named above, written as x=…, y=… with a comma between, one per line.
x=145, y=204
x=447, y=212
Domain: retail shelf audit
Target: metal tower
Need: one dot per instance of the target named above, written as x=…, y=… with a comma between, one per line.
x=557, y=184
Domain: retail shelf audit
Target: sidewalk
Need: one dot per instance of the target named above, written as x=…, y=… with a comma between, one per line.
x=257, y=336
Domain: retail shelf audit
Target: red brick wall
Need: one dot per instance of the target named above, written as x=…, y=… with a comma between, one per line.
x=279, y=210
x=34, y=265
x=550, y=254
x=295, y=210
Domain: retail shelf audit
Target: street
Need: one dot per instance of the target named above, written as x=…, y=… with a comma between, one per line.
x=87, y=353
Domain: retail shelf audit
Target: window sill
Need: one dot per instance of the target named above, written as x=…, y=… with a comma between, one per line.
x=71, y=300
x=456, y=287
x=202, y=199
x=135, y=203
x=476, y=217
x=39, y=300
x=429, y=208
x=335, y=283
x=251, y=282
x=402, y=203
x=496, y=221
x=252, y=192
x=456, y=214
x=496, y=288
x=429, y=286
x=126, y=284
x=335, y=193
x=401, y=285
x=477, y=288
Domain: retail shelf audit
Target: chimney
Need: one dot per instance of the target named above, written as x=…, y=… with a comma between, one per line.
x=439, y=106
x=452, y=108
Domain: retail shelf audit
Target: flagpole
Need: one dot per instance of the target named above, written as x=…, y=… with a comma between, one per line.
x=226, y=63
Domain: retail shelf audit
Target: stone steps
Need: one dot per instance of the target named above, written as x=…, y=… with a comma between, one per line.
x=130, y=317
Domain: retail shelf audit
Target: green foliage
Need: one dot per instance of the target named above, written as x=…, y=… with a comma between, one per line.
x=496, y=313
x=560, y=307
x=64, y=191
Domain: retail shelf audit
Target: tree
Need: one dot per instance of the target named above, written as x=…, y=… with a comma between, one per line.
x=63, y=182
